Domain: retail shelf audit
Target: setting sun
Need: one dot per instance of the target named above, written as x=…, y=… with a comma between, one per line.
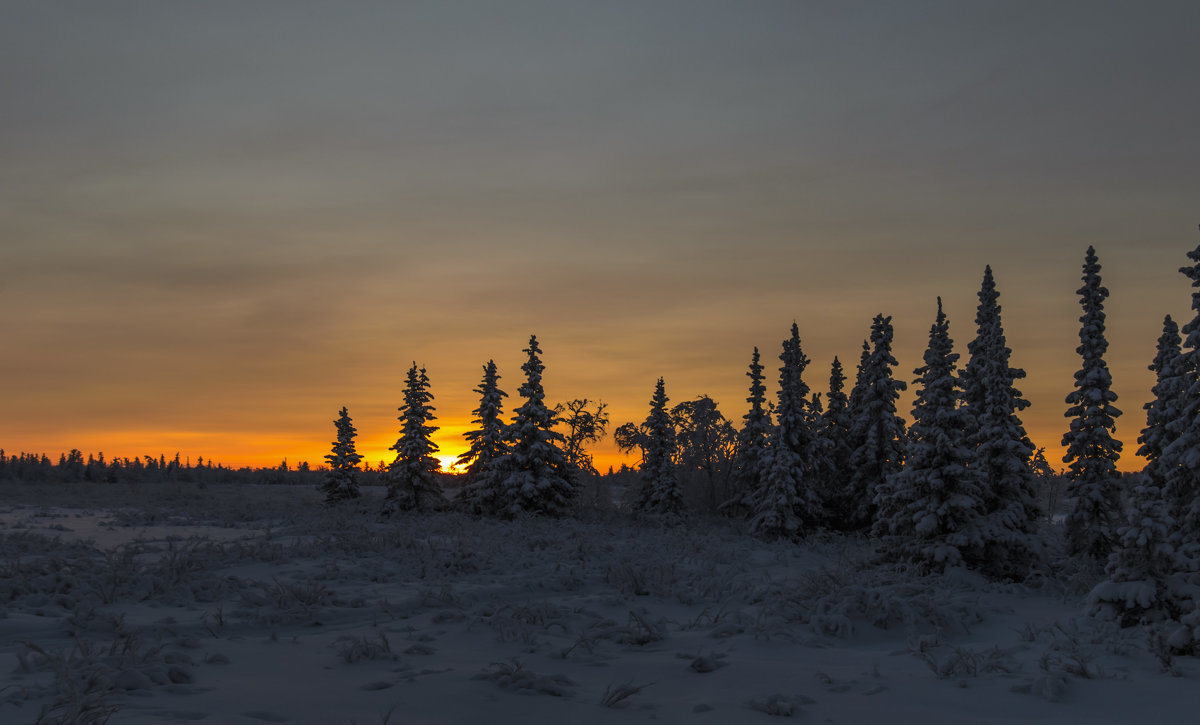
x=449, y=464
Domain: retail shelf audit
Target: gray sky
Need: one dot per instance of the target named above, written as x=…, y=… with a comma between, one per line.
x=221, y=221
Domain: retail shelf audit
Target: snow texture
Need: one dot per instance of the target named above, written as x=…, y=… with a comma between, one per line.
x=156, y=604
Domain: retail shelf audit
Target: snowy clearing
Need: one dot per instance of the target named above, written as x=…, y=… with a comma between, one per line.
x=256, y=604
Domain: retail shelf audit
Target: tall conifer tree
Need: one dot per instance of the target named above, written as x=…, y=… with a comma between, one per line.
x=1179, y=463
x=858, y=390
x=748, y=467
x=785, y=503
x=487, y=445
x=1002, y=450
x=534, y=477
x=1092, y=452
x=412, y=478
x=820, y=462
x=845, y=501
x=876, y=430
x=1163, y=410
x=833, y=468
x=930, y=510
x=661, y=494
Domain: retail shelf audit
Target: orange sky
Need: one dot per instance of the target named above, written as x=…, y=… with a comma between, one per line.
x=284, y=407
x=220, y=224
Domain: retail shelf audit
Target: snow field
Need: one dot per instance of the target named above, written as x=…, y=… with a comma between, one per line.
x=257, y=604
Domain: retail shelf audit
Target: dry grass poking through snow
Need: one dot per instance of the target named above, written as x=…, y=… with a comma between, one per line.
x=257, y=604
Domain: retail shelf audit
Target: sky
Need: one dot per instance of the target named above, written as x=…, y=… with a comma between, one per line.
x=221, y=222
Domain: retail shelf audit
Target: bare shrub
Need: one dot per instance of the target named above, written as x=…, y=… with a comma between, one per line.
x=512, y=675
x=356, y=649
x=616, y=696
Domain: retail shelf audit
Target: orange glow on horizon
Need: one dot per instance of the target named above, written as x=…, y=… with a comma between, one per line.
x=234, y=450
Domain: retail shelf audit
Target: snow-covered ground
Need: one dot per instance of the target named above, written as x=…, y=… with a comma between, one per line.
x=256, y=604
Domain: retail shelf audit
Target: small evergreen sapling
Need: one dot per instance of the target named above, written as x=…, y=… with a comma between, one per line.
x=412, y=478
x=1143, y=584
x=341, y=481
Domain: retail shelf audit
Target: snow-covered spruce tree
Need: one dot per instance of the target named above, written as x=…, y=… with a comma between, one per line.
x=842, y=503
x=751, y=444
x=478, y=493
x=1179, y=464
x=814, y=409
x=858, y=391
x=412, y=478
x=1001, y=448
x=1163, y=412
x=1142, y=584
x=876, y=430
x=820, y=461
x=785, y=503
x=341, y=481
x=929, y=510
x=534, y=476
x=1093, y=492
x=661, y=494
x=833, y=466
x=1167, y=417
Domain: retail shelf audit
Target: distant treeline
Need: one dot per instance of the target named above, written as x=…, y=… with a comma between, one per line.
x=74, y=466
x=77, y=467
